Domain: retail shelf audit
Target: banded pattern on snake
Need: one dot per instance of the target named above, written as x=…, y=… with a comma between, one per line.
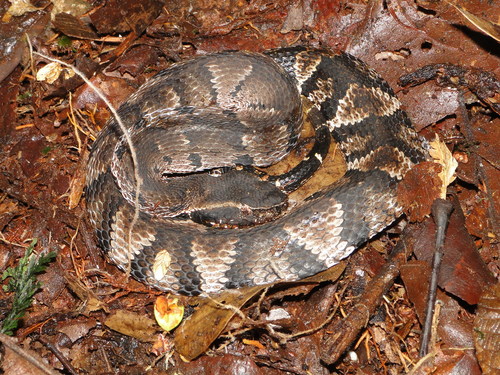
x=238, y=109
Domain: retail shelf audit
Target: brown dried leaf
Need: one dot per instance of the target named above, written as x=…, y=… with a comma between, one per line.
x=77, y=328
x=419, y=188
x=487, y=331
x=72, y=26
x=304, y=286
x=132, y=324
x=389, y=348
x=116, y=89
x=487, y=27
x=13, y=363
x=195, y=334
x=78, y=181
x=87, y=296
x=135, y=60
x=463, y=272
x=221, y=364
x=119, y=16
x=415, y=275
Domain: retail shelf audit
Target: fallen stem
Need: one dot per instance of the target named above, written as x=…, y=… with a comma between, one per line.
x=31, y=357
x=441, y=211
x=59, y=355
x=347, y=330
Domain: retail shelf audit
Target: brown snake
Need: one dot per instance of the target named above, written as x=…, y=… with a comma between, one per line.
x=238, y=109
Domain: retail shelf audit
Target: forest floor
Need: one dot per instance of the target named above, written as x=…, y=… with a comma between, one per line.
x=363, y=317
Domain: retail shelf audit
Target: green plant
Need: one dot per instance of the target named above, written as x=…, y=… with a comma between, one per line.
x=64, y=42
x=22, y=282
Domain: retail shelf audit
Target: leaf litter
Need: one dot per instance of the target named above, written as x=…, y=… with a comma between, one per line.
x=46, y=133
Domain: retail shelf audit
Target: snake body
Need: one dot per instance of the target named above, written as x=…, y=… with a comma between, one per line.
x=239, y=108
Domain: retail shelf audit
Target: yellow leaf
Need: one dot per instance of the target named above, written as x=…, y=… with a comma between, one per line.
x=168, y=312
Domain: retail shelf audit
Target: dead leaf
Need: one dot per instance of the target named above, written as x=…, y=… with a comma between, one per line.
x=77, y=328
x=78, y=181
x=14, y=363
x=195, y=334
x=74, y=27
x=487, y=27
x=87, y=296
x=463, y=272
x=18, y=8
x=51, y=72
x=419, y=188
x=168, y=312
x=415, y=275
x=442, y=155
x=221, y=364
x=132, y=324
x=487, y=331
x=119, y=16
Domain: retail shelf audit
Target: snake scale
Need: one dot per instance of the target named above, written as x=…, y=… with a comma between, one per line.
x=229, y=109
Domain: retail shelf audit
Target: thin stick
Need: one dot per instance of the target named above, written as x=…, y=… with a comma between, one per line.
x=124, y=130
x=346, y=331
x=32, y=358
x=59, y=355
x=441, y=210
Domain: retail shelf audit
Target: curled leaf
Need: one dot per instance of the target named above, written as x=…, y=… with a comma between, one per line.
x=442, y=155
x=168, y=312
x=51, y=72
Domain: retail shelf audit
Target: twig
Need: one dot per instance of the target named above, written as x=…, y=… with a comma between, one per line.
x=31, y=357
x=282, y=337
x=59, y=355
x=441, y=210
x=347, y=330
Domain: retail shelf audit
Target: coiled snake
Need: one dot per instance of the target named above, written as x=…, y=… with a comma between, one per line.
x=231, y=109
